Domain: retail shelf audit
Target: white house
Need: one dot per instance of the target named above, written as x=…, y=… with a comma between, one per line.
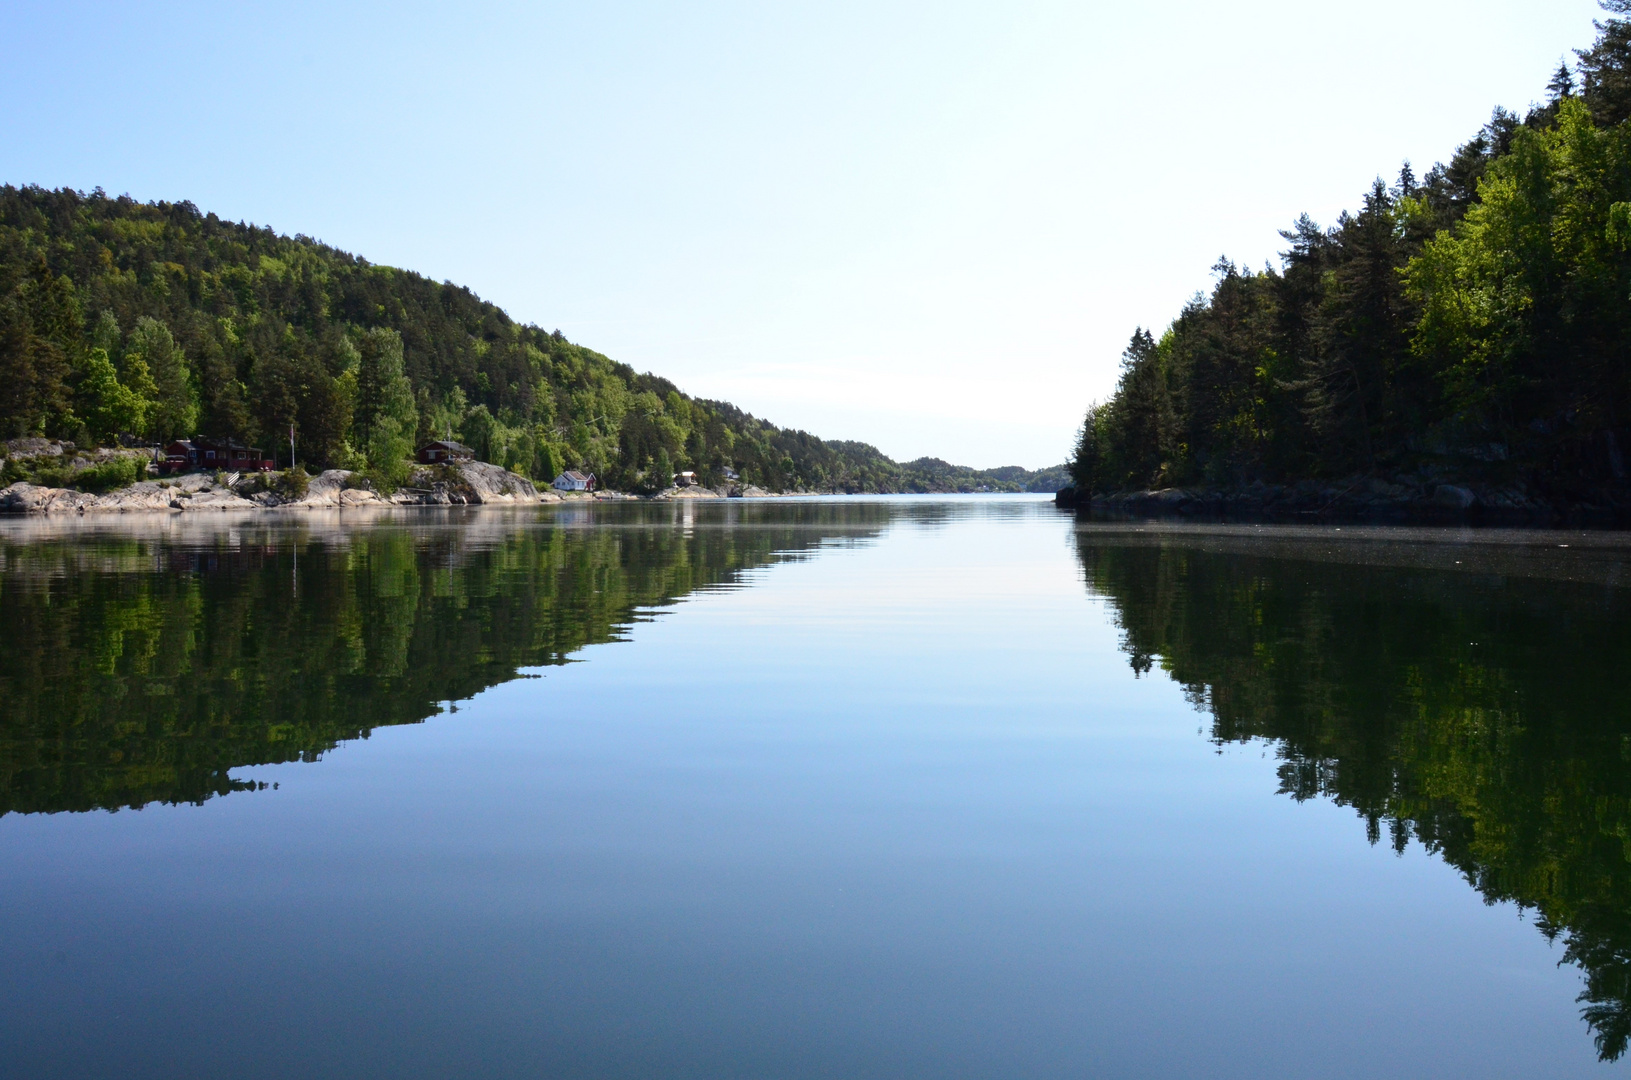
x=572, y=480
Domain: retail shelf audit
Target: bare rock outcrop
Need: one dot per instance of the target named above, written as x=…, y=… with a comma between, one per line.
x=31, y=499
x=491, y=484
x=695, y=491
x=465, y=483
x=23, y=498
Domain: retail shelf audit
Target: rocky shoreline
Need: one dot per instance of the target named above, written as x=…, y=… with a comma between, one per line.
x=469, y=483
x=1405, y=498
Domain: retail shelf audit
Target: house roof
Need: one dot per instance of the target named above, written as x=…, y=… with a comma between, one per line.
x=573, y=474
x=221, y=444
x=457, y=448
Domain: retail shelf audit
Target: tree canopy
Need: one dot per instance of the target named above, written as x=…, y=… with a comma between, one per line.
x=1474, y=320
x=158, y=320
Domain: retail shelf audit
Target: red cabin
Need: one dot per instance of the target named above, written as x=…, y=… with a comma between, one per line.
x=228, y=455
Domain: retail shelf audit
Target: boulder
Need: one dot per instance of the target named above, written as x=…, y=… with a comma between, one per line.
x=1454, y=497
x=492, y=484
x=327, y=488
x=24, y=448
x=214, y=500
x=29, y=499
x=693, y=492
x=146, y=495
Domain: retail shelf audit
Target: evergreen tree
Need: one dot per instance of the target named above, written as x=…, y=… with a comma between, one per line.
x=1360, y=331
x=19, y=409
x=1605, y=68
x=1562, y=84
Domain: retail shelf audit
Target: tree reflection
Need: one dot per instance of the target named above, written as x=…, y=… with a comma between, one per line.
x=144, y=661
x=1470, y=697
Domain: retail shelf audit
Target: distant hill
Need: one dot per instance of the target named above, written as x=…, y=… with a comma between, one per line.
x=159, y=320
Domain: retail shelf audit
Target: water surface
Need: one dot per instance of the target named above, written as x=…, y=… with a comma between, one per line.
x=828, y=788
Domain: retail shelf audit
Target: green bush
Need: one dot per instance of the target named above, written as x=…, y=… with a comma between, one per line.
x=107, y=475
x=292, y=483
x=387, y=478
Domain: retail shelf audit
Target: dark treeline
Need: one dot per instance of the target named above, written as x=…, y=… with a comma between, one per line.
x=1473, y=321
x=157, y=320
x=140, y=669
x=1476, y=709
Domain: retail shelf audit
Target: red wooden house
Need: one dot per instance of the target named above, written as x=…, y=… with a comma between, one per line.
x=229, y=455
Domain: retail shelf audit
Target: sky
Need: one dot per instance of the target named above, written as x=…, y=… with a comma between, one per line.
x=928, y=226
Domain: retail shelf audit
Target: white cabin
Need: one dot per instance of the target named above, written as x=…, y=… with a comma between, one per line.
x=572, y=480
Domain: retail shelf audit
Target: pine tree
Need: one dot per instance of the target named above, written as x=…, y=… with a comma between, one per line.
x=1605, y=68
x=18, y=412
x=1562, y=84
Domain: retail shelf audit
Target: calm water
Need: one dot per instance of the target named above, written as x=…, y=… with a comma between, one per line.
x=838, y=788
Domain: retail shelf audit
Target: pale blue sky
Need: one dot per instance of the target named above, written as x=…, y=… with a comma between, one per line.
x=928, y=226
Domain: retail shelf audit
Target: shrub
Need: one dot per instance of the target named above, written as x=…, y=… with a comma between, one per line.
x=106, y=475
x=292, y=483
x=385, y=481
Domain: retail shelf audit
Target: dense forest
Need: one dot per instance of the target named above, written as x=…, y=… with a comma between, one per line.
x=1476, y=709
x=156, y=321
x=1471, y=322
x=143, y=666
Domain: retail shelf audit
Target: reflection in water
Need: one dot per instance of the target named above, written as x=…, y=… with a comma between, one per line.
x=144, y=660
x=1467, y=695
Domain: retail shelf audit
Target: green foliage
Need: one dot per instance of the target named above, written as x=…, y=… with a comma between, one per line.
x=70, y=472
x=292, y=483
x=384, y=416
x=1605, y=68
x=175, y=402
x=662, y=471
x=1523, y=302
x=248, y=332
x=107, y=475
x=109, y=406
x=1473, y=322
x=40, y=339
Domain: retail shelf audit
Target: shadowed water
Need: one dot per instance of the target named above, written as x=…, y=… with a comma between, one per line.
x=846, y=787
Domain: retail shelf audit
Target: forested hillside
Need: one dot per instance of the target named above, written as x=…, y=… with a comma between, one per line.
x=1473, y=324
x=157, y=320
